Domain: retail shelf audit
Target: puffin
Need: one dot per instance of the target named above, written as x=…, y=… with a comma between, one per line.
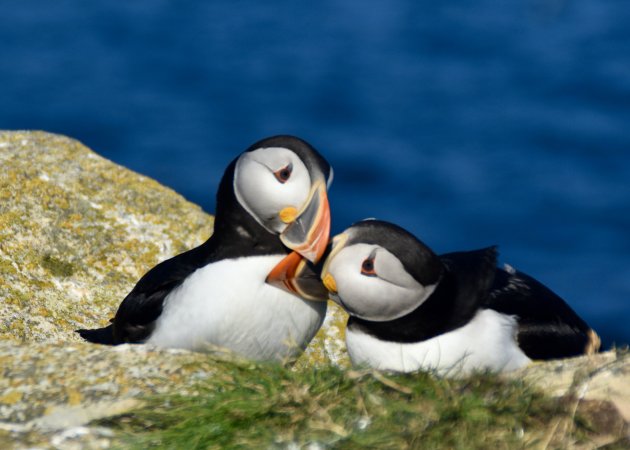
x=272, y=215
x=410, y=309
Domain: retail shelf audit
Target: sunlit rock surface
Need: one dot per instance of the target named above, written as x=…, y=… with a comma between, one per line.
x=596, y=387
x=76, y=232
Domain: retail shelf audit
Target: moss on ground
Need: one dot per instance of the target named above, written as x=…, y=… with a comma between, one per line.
x=268, y=406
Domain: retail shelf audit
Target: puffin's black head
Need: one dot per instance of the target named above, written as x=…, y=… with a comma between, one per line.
x=314, y=162
x=378, y=271
x=279, y=182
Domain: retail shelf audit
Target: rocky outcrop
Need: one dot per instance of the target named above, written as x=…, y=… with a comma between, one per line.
x=594, y=387
x=76, y=233
x=49, y=392
x=602, y=377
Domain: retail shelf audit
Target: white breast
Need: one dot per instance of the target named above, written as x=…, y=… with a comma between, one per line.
x=228, y=304
x=487, y=342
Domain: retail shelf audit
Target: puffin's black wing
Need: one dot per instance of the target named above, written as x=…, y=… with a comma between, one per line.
x=473, y=273
x=136, y=315
x=547, y=326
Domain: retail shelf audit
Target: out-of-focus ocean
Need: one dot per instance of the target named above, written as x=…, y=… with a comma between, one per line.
x=470, y=123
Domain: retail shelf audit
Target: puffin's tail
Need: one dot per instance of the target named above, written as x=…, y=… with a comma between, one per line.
x=103, y=336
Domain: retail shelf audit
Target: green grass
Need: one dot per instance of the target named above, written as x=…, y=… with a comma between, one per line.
x=249, y=405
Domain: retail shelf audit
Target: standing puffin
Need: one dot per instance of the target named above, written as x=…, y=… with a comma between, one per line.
x=411, y=309
x=271, y=200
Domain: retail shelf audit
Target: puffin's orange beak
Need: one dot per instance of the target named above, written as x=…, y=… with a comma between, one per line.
x=294, y=274
x=308, y=233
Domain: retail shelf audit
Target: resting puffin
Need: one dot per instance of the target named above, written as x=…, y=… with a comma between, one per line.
x=411, y=309
x=271, y=200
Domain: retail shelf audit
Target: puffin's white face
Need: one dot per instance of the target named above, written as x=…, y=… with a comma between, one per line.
x=273, y=185
x=371, y=283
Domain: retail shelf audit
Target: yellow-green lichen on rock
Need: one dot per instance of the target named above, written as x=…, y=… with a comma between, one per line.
x=49, y=392
x=76, y=232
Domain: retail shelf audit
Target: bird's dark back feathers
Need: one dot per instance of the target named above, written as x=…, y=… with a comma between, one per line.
x=462, y=290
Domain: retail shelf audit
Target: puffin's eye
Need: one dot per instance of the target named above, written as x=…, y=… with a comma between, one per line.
x=367, y=267
x=283, y=175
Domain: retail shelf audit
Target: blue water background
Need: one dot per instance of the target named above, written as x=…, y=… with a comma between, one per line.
x=470, y=123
